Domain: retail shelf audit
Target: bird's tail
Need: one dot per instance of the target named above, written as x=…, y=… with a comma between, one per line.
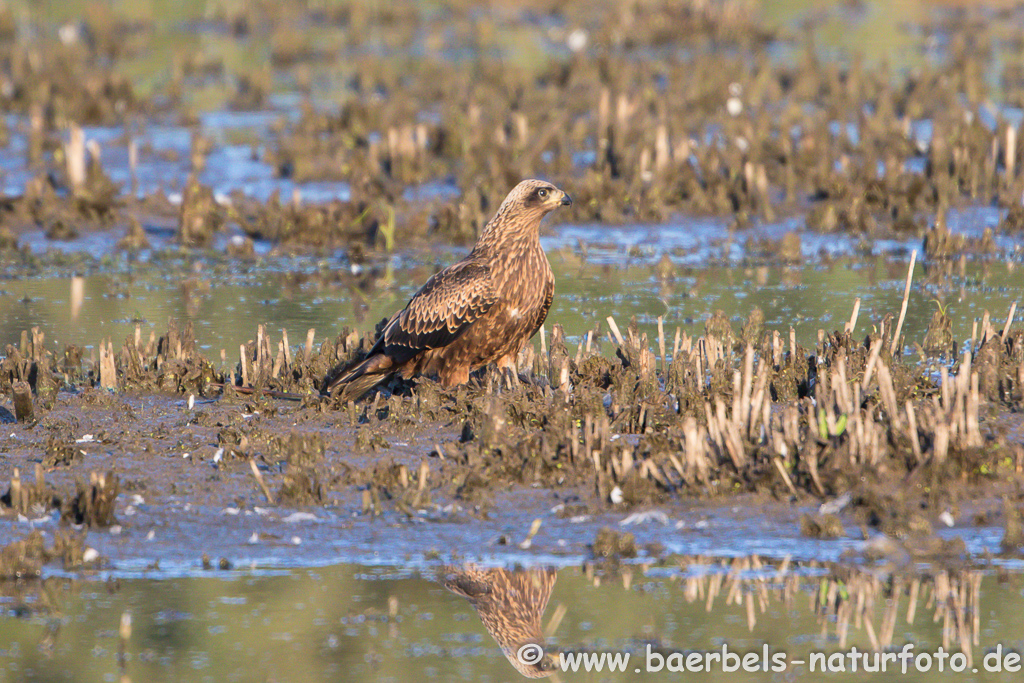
x=362, y=377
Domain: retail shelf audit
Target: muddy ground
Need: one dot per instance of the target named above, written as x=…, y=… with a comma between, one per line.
x=218, y=464
x=186, y=503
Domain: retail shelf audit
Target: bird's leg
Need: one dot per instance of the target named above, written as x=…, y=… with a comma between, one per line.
x=509, y=372
x=492, y=380
x=510, y=378
x=454, y=375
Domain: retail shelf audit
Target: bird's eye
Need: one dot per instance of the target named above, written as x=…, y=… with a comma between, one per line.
x=542, y=193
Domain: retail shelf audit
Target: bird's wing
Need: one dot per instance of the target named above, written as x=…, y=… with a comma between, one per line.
x=469, y=582
x=444, y=307
x=542, y=315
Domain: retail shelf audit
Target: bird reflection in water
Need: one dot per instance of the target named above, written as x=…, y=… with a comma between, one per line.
x=510, y=605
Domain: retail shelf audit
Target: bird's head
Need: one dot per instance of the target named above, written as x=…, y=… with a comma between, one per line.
x=519, y=216
x=530, y=201
x=537, y=197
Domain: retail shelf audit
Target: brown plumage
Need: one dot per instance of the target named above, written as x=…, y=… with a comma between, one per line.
x=480, y=310
x=510, y=605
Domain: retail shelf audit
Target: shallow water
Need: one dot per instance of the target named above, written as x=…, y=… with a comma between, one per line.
x=679, y=273
x=352, y=622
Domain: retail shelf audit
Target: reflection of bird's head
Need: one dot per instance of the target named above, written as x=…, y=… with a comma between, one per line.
x=510, y=605
x=530, y=658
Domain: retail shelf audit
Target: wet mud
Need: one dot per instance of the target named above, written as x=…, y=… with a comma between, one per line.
x=890, y=447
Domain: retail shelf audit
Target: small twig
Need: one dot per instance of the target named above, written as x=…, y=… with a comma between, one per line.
x=852, y=325
x=781, y=468
x=1009, y=320
x=74, y=152
x=245, y=368
x=259, y=480
x=876, y=348
x=661, y=345
x=421, y=483
x=556, y=619
x=615, y=331
x=307, y=351
x=903, y=308
x=534, y=528
x=108, y=371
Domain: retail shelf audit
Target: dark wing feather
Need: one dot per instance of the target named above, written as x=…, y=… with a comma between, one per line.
x=444, y=307
x=542, y=314
x=468, y=582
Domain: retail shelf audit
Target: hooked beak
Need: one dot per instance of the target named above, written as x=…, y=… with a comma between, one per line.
x=566, y=200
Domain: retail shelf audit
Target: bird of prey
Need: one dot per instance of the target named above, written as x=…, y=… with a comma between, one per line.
x=510, y=605
x=480, y=310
